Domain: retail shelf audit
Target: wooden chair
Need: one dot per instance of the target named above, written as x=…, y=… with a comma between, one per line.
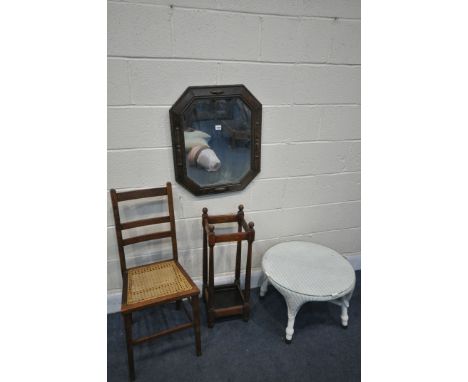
x=155, y=283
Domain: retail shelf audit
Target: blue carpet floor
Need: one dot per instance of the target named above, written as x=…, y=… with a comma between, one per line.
x=238, y=351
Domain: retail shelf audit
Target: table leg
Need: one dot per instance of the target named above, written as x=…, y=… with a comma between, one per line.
x=343, y=303
x=293, y=307
x=344, y=316
x=344, y=311
x=264, y=287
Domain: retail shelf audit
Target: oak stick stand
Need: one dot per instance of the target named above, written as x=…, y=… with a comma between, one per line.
x=228, y=299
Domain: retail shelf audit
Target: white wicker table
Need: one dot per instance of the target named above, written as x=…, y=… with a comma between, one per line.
x=302, y=272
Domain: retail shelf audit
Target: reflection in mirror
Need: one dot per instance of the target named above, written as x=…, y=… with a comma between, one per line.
x=217, y=136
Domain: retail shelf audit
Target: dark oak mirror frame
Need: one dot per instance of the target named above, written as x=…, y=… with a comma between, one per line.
x=192, y=105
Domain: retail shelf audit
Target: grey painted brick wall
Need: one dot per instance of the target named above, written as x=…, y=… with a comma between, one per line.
x=301, y=59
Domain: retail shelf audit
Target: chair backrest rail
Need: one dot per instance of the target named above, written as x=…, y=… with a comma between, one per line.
x=150, y=236
x=139, y=194
x=144, y=222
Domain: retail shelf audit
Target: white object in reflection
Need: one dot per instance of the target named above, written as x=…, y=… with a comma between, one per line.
x=208, y=160
x=204, y=157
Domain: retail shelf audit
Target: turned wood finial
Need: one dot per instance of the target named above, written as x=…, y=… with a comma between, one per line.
x=251, y=225
x=205, y=210
x=241, y=207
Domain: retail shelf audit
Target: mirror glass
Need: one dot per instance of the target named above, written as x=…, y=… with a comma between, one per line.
x=217, y=138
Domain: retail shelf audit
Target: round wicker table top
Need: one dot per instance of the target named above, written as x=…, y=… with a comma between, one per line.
x=310, y=269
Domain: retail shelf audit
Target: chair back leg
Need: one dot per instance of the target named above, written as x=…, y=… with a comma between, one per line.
x=128, y=336
x=196, y=323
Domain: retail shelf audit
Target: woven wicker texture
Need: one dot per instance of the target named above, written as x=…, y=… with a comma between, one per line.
x=309, y=269
x=155, y=281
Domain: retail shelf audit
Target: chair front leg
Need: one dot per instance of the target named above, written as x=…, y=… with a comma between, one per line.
x=196, y=323
x=128, y=337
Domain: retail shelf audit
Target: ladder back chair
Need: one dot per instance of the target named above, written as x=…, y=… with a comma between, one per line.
x=155, y=283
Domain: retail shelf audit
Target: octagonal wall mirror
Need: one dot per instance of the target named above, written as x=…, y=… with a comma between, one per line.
x=216, y=138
